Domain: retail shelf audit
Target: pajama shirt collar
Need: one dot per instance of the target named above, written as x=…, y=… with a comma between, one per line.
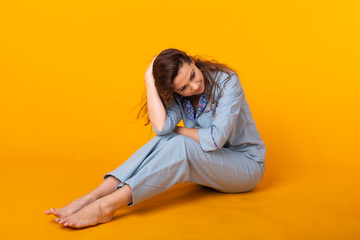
x=188, y=108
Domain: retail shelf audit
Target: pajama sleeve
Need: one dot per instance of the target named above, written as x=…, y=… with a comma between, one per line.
x=226, y=115
x=173, y=117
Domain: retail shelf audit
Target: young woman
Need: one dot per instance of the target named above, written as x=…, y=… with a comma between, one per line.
x=219, y=147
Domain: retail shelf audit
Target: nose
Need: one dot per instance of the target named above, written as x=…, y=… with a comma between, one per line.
x=196, y=86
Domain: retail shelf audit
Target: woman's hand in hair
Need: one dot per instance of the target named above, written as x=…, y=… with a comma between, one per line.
x=148, y=74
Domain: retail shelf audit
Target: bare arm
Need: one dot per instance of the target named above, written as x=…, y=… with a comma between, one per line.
x=189, y=132
x=156, y=110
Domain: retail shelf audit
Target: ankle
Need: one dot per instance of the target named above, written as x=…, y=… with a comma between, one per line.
x=107, y=205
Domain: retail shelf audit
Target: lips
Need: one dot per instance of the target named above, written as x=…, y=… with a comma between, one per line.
x=200, y=89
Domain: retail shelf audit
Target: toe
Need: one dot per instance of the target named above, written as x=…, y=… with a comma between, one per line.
x=64, y=220
x=53, y=211
x=72, y=224
x=66, y=224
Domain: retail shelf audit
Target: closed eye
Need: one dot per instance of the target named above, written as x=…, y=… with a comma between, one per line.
x=191, y=77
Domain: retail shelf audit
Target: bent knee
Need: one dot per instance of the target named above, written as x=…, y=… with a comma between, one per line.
x=188, y=143
x=182, y=139
x=178, y=139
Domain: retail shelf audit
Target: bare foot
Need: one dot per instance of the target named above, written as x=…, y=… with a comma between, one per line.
x=92, y=214
x=71, y=207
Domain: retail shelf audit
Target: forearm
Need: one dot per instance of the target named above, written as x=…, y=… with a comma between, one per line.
x=155, y=107
x=189, y=132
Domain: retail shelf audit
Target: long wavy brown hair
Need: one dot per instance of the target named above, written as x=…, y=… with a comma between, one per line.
x=165, y=69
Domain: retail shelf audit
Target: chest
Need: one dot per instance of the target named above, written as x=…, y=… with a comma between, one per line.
x=194, y=103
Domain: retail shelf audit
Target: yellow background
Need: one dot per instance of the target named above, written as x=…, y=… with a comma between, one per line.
x=72, y=73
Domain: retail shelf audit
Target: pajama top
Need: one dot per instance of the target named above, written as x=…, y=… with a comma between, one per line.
x=232, y=126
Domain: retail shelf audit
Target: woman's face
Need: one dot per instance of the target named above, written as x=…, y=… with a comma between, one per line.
x=189, y=81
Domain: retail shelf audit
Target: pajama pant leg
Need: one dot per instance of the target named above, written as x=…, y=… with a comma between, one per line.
x=174, y=158
x=139, y=159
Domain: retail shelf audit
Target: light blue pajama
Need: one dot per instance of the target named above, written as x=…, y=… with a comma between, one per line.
x=230, y=156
